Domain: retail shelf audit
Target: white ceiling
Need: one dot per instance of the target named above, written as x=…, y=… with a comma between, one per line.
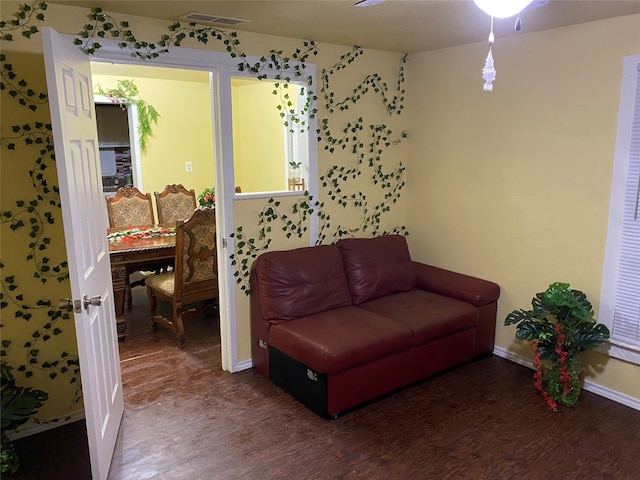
x=404, y=26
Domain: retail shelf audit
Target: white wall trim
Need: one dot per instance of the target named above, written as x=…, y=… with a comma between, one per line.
x=240, y=366
x=589, y=386
x=628, y=353
x=29, y=429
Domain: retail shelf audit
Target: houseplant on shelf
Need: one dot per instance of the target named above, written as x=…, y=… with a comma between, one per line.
x=559, y=326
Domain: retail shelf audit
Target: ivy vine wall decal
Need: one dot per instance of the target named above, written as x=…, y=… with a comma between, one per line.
x=364, y=142
x=366, y=147
x=31, y=218
x=103, y=25
x=380, y=137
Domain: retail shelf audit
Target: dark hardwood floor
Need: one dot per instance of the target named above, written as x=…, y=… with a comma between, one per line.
x=186, y=419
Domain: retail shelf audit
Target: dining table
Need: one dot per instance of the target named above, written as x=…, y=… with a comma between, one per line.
x=136, y=249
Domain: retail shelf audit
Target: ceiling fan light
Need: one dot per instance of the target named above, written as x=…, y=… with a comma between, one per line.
x=502, y=8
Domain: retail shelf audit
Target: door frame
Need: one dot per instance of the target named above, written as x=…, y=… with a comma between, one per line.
x=221, y=66
x=211, y=62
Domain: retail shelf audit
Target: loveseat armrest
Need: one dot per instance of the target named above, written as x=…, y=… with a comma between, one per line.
x=475, y=291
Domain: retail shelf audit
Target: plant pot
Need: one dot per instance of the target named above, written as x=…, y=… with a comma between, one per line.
x=564, y=385
x=294, y=174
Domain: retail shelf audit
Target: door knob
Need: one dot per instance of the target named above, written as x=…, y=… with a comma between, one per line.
x=95, y=300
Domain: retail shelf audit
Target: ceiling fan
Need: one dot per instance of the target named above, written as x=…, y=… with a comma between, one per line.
x=494, y=8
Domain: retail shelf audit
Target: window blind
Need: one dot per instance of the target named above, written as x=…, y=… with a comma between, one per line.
x=626, y=318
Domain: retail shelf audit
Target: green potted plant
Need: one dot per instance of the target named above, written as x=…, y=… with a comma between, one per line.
x=559, y=326
x=207, y=199
x=18, y=405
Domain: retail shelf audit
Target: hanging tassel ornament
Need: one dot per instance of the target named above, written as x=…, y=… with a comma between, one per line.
x=489, y=71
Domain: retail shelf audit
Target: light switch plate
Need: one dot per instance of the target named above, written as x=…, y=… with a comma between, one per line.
x=188, y=166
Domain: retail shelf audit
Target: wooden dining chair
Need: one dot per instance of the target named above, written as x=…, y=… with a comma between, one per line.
x=130, y=208
x=195, y=275
x=174, y=203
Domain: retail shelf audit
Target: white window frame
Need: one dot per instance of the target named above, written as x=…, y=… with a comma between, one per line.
x=624, y=171
x=296, y=144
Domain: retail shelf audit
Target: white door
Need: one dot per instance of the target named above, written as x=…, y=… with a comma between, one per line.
x=78, y=163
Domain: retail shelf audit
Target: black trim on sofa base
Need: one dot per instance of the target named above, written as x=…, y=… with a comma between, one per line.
x=299, y=381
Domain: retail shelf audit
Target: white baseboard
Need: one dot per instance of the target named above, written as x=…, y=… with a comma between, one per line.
x=32, y=428
x=589, y=386
x=246, y=365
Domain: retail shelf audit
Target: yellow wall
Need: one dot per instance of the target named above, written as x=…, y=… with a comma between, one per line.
x=514, y=185
x=29, y=321
x=246, y=208
x=183, y=132
x=26, y=57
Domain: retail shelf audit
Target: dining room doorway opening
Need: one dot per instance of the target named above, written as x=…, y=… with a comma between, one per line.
x=124, y=163
x=220, y=68
x=116, y=63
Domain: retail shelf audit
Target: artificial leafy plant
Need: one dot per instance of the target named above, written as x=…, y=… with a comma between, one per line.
x=18, y=405
x=559, y=326
x=126, y=93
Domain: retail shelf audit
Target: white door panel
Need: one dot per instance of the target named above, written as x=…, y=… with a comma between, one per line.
x=78, y=163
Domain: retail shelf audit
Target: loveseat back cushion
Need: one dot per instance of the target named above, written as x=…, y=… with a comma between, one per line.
x=300, y=282
x=376, y=267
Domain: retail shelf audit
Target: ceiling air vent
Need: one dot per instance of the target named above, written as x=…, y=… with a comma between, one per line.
x=211, y=19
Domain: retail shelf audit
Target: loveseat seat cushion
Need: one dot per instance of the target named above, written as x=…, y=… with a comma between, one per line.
x=427, y=315
x=335, y=340
x=301, y=282
x=376, y=267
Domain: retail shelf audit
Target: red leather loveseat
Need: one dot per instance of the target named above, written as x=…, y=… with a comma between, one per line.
x=337, y=325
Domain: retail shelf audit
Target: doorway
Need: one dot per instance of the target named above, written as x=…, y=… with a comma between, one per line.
x=151, y=152
x=152, y=173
